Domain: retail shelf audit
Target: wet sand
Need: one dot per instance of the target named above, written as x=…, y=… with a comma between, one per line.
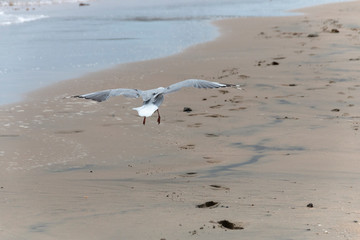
x=277, y=161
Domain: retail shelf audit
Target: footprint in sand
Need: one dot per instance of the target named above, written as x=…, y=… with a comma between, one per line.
x=68, y=131
x=9, y=135
x=230, y=72
x=208, y=115
x=189, y=174
x=216, y=116
x=331, y=26
x=237, y=109
x=264, y=35
x=179, y=121
x=271, y=63
x=211, y=161
x=287, y=118
x=289, y=85
x=216, y=106
x=195, y=125
x=313, y=35
x=211, y=135
x=196, y=114
x=291, y=34
x=111, y=124
x=315, y=88
x=218, y=187
x=223, y=91
x=354, y=59
x=235, y=99
x=187, y=147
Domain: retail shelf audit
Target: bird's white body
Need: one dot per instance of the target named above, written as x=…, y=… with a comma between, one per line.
x=153, y=98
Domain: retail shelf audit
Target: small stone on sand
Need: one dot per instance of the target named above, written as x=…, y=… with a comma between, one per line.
x=229, y=225
x=210, y=204
x=187, y=109
x=313, y=35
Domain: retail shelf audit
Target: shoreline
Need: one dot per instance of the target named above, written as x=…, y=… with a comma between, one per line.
x=216, y=23
x=72, y=74
x=77, y=169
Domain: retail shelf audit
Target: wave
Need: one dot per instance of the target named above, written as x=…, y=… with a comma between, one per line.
x=9, y=19
x=157, y=19
x=27, y=3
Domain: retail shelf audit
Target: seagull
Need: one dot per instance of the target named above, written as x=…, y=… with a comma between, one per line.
x=153, y=98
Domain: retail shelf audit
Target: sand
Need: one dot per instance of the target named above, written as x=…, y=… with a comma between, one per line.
x=277, y=161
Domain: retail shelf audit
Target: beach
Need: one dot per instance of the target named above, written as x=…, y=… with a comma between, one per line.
x=278, y=160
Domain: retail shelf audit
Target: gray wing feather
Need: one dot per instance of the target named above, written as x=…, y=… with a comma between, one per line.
x=197, y=83
x=105, y=94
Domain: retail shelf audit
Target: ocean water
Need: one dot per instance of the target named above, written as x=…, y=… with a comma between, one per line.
x=45, y=41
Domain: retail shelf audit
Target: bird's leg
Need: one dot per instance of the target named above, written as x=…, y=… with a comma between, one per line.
x=144, y=120
x=158, y=120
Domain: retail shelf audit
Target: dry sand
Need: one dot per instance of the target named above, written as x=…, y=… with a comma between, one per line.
x=75, y=169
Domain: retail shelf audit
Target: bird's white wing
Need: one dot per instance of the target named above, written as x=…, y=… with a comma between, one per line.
x=105, y=94
x=197, y=83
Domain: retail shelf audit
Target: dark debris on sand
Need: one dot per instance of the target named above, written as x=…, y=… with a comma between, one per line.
x=310, y=205
x=229, y=225
x=187, y=109
x=209, y=204
x=313, y=35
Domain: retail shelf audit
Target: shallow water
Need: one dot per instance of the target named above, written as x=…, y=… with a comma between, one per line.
x=45, y=41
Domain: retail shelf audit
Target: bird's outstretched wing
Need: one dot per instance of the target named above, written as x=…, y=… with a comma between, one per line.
x=197, y=83
x=105, y=94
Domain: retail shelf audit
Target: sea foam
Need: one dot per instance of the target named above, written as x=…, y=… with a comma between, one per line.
x=8, y=19
x=28, y=3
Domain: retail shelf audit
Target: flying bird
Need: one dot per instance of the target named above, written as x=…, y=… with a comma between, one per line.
x=153, y=98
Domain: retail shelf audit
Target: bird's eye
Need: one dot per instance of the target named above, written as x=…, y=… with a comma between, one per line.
x=154, y=94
